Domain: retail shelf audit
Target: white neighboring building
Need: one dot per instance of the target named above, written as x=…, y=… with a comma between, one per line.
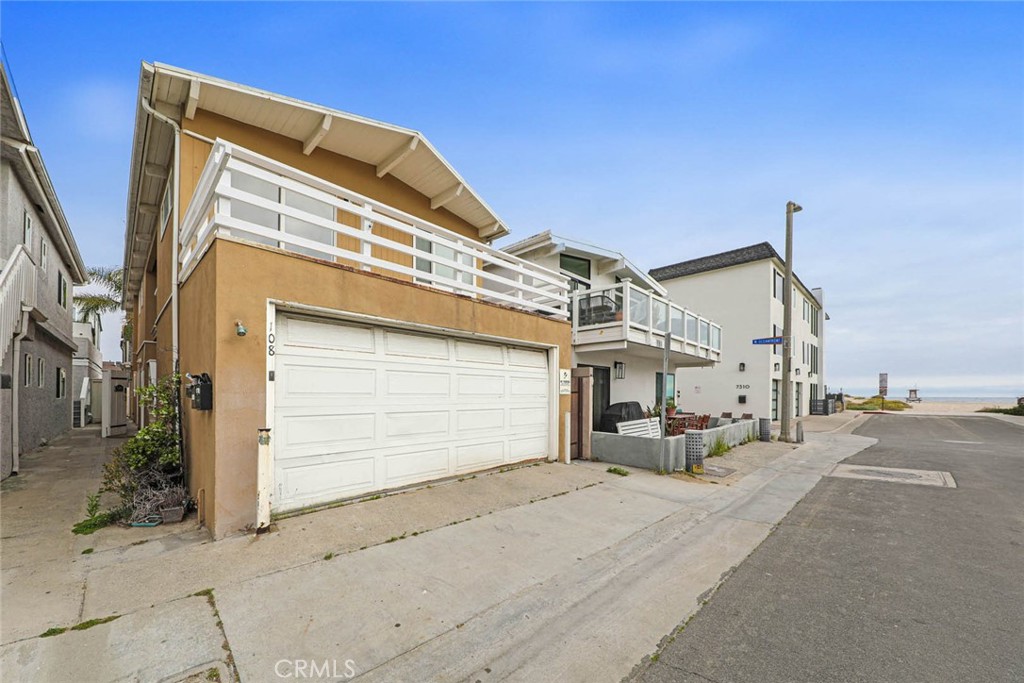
x=87, y=371
x=743, y=290
x=619, y=319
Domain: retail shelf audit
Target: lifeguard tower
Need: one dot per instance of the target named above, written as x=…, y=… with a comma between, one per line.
x=913, y=397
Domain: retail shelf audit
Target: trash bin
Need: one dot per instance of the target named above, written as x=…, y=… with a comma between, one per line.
x=765, y=426
x=695, y=452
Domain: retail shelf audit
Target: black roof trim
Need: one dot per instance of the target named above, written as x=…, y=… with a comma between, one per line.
x=735, y=257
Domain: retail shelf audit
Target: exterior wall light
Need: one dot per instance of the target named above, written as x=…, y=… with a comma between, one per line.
x=797, y=371
x=777, y=367
x=620, y=370
x=240, y=329
x=743, y=367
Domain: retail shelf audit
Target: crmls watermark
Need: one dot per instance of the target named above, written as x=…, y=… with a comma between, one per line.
x=315, y=669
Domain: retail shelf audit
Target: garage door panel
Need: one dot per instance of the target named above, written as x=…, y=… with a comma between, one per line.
x=417, y=346
x=314, y=434
x=324, y=481
x=408, y=383
x=418, y=424
x=322, y=382
x=477, y=386
x=415, y=465
x=528, y=358
x=300, y=332
x=362, y=411
x=529, y=418
x=472, y=352
x=526, y=448
x=478, y=456
x=529, y=387
x=472, y=422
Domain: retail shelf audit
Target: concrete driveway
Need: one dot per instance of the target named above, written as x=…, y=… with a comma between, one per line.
x=542, y=572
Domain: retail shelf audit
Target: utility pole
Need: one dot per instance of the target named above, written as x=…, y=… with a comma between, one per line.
x=787, y=327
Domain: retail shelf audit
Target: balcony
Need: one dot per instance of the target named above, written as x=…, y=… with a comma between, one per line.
x=246, y=196
x=626, y=317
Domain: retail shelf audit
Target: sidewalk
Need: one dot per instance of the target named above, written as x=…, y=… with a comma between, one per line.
x=541, y=572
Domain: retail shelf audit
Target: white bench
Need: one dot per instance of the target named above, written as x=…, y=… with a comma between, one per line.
x=647, y=428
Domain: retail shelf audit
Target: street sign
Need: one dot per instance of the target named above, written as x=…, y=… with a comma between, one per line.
x=769, y=340
x=883, y=384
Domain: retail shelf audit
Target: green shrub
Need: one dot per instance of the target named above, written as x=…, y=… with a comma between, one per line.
x=875, y=403
x=1016, y=410
x=619, y=471
x=146, y=467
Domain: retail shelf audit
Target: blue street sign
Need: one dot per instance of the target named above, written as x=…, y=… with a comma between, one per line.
x=769, y=340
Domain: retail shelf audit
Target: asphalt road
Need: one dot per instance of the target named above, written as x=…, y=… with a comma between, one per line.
x=880, y=581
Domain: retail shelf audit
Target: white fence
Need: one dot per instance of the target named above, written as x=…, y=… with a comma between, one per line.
x=255, y=198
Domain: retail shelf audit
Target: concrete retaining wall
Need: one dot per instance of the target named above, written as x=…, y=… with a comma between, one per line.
x=734, y=434
x=637, y=451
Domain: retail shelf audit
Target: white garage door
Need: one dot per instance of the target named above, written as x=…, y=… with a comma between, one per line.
x=361, y=409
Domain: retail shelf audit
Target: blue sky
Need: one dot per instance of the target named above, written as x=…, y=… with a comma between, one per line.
x=666, y=131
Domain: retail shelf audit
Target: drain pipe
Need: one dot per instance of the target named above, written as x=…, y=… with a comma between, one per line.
x=15, y=391
x=176, y=187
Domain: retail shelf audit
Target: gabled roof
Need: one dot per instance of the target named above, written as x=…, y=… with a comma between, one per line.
x=27, y=163
x=725, y=259
x=735, y=257
x=401, y=152
x=614, y=262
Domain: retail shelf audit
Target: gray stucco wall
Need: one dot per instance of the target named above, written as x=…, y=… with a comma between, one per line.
x=6, y=452
x=42, y=415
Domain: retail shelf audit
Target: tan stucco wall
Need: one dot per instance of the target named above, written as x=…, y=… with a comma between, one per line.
x=349, y=173
x=246, y=277
x=198, y=355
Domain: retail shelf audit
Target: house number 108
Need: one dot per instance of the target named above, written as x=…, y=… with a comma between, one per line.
x=270, y=344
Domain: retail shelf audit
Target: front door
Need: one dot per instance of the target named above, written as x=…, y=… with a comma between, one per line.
x=602, y=391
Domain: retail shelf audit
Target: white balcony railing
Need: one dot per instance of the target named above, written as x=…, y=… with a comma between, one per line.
x=623, y=313
x=248, y=196
x=17, y=289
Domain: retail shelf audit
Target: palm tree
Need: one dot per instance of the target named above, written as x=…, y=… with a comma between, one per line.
x=108, y=285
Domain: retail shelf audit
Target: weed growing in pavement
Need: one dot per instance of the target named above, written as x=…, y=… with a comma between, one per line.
x=619, y=471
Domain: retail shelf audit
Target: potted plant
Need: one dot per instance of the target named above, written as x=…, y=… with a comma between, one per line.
x=175, y=500
x=670, y=407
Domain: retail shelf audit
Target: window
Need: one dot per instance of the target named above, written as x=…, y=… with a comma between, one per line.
x=62, y=290
x=27, y=370
x=716, y=338
x=578, y=270
x=44, y=251
x=780, y=285
x=62, y=383
x=776, y=332
x=705, y=333
x=272, y=220
x=775, y=399
x=814, y=321
x=670, y=388
x=26, y=234
x=165, y=209
x=440, y=269
x=40, y=369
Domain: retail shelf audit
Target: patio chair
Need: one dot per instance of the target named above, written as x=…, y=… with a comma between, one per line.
x=747, y=416
x=726, y=416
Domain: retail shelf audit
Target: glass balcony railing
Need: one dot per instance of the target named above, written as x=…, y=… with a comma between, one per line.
x=641, y=316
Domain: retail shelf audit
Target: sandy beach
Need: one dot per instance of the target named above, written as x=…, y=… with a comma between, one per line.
x=949, y=408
